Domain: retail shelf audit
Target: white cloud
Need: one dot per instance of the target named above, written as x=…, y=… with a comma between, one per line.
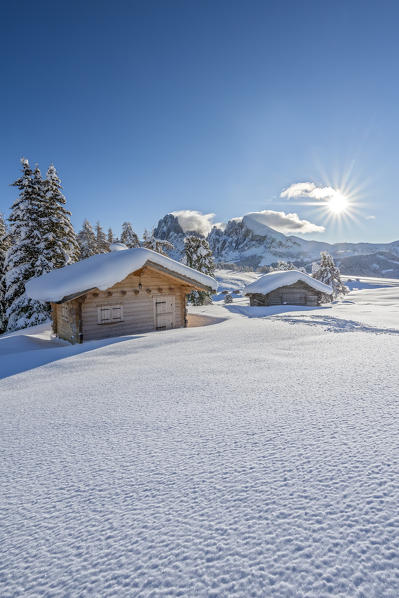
x=285, y=223
x=221, y=225
x=371, y=217
x=309, y=190
x=297, y=190
x=191, y=220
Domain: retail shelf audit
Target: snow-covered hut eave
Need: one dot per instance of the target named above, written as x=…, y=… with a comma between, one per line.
x=190, y=281
x=105, y=270
x=74, y=295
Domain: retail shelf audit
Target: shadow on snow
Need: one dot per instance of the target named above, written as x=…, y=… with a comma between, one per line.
x=267, y=311
x=25, y=352
x=335, y=324
x=330, y=323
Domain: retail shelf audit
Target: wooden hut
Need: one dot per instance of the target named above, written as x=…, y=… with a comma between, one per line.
x=118, y=293
x=287, y=288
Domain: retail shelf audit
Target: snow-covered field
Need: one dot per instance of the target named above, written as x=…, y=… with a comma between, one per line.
x=254, y=457
x=229, y=280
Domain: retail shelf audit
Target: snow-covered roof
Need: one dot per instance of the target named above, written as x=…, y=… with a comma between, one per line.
x=103, y=271
x=118, y=247
x=274, y=280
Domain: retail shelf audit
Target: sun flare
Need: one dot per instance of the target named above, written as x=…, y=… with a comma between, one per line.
x=338, y=203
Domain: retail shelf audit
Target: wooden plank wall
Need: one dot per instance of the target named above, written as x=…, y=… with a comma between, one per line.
x=292, y=295
x=138, y=309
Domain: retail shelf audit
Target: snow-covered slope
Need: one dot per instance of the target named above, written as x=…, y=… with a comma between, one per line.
x=381, y=263
x=248, y=241
x=253, y=457
x=230, y=280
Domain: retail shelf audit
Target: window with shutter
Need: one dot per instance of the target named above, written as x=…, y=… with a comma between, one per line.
x=108, y=314
x=117, y=313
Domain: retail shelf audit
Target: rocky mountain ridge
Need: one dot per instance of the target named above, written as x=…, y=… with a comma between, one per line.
x=248, y=242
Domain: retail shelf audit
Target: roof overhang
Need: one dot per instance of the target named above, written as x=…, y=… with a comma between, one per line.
x=193, y=283
x=189, y=281
x=74, y=296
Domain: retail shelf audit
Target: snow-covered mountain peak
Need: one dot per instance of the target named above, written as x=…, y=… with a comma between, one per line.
x=257, y=223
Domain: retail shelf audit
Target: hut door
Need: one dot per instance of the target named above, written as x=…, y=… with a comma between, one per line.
x=164, y=309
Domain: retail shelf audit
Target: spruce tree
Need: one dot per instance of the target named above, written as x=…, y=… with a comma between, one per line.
x=110, y=236
x=44, y=237
x=62, y=242
x=101, y=240
x=24, y=258
x=286, y=267
x=198, y=255
x=128, y=236
x=4, y=246
x=283, y=266
x=159, y=245
x=329, y=273
x=315, y=268
x=87, y=240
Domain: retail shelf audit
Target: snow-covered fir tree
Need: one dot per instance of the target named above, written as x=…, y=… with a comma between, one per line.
x=285, y=266
x=128, y=236
x=4, y=246
x=198, y=255
x=41, y=233
x=315, y=268
x=326, y=271
x=61, y=239
x=110, y=236
x=102, y=245
x=159, y=245
x=87, y=240
x=25, y=258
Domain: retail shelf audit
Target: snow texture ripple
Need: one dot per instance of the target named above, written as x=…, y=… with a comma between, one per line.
x=249, y=458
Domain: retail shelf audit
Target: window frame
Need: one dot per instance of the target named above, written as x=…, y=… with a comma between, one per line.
x=112, y=320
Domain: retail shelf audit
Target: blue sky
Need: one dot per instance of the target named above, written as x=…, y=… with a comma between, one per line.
x=154, y=106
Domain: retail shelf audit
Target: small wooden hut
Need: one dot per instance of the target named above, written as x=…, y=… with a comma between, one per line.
x=287, y=288
x=118, y=293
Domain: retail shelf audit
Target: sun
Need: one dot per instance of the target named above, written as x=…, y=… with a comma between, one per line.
x=338, y=204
